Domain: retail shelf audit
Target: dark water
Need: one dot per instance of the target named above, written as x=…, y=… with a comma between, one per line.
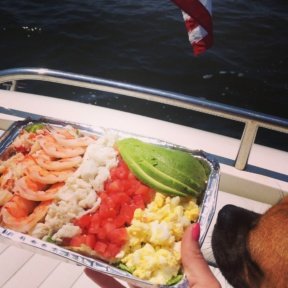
x=145, y=43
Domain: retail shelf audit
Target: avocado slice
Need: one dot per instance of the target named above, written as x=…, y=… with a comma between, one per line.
x=148, y=179
x=174, y=169
x=181, y=165
x=166, y=179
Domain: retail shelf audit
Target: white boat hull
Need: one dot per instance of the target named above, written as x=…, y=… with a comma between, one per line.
x=243, y=188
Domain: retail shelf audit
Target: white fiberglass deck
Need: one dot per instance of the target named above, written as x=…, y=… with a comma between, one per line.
x=22, y=268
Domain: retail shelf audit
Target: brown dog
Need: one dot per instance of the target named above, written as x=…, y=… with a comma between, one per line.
x=250, y=249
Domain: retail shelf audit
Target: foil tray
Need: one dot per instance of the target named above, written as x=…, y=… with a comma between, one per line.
x=207, y=204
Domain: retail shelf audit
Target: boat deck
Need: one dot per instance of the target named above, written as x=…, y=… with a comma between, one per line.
x=249, y=189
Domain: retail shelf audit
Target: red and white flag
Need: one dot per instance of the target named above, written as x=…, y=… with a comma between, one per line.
x=198, y=22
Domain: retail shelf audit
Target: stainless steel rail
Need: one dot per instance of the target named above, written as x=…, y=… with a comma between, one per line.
x=252, y=120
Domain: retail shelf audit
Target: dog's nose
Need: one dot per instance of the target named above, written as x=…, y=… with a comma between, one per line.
x=227, y=210
x=227, y=215
x=230, y=216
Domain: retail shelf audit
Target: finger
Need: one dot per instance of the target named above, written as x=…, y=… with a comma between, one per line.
x=195, y=266
x=102, y=280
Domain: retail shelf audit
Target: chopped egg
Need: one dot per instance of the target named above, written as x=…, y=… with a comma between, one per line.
x=160, y=226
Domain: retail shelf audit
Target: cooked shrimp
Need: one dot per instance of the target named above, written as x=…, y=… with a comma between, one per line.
x=54, y=149
x=2, y=168
x=5, y=196
x=14, y=171
x=31, y=190
x=7, y=181
x=22, y=215
x=25, y=163
x=49, y=163
x=26, y=183
x=38, y=174
x=64, y=138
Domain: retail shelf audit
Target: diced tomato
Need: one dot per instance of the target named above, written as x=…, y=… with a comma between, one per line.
x=105, y=230
x=95, y=220
x=112, y=250
x=100, y=247
x=78, y=240
x=113, y=173
x=120, y=221
x=90, y=241
x=120, y=198
x=131, y=176
x=138, y=201
x=84, y=221
x=103, y=196
x=114, y=187
x=108, y=227
x=107, y=211
x=122, y=172
x=118, y=236
x=145, y=192
x=127, y=211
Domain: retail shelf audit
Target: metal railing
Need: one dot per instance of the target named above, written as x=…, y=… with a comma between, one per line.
x=252, y=120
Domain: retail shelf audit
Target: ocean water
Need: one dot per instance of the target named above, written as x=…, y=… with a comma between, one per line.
x=145, y=43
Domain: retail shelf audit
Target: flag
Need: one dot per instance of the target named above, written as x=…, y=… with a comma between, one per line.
x=198, y=22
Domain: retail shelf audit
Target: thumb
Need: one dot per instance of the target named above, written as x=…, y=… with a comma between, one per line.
x=195, y=266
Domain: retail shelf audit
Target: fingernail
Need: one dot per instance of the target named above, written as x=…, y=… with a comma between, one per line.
x=196, y=232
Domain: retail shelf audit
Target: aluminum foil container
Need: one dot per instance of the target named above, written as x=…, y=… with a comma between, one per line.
x=207, y=204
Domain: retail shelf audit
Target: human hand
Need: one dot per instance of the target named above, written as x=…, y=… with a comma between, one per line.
x=195, y=266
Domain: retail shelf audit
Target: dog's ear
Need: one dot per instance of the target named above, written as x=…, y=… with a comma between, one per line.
x=268, y=245
x=229, y=241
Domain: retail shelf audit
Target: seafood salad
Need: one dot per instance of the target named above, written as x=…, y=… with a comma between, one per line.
x=109, y=198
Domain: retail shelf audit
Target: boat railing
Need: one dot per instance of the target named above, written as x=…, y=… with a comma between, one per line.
x=252, y=120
